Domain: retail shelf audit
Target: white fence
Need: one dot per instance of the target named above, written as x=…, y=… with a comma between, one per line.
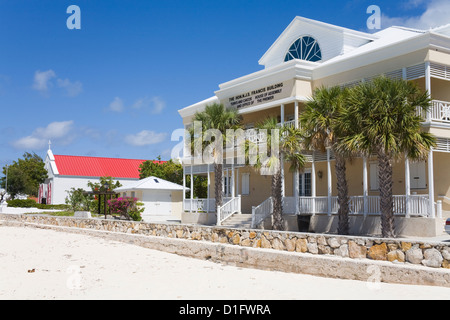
x=200, y=205
x=261, y=212
x=414, y=205
x=230, y=207
x=440, y=111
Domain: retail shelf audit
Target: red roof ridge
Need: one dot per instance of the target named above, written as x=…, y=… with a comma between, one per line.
x=92, y=157
x=85, y=166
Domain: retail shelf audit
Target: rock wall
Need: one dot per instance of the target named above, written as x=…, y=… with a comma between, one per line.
x=399, y=251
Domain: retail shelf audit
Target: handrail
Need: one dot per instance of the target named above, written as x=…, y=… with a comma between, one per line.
x=228, y=209
x=261, y=212
x=445, y=198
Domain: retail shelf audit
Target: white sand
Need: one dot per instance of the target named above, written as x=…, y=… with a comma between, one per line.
x=70, y=266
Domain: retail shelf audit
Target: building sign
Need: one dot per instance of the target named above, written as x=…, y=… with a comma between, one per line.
x=260, y=96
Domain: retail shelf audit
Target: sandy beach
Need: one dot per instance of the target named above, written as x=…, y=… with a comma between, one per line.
x=47, y=264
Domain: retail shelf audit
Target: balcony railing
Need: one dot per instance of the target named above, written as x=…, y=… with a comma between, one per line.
x=440, y=111
x=414, y=205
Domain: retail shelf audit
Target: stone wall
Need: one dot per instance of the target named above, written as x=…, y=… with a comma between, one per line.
x=398, y=251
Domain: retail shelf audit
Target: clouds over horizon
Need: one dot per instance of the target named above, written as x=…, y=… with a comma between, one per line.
x=44, y=81
x=436, y=13
x=61, y=132
x=154, y=105
x=145, y=138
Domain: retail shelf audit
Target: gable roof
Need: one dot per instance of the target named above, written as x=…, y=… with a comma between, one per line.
x=98, y=167
x=151, y=183
x=338, y=40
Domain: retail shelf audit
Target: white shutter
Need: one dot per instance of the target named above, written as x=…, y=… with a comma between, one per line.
x=374, y=183
x=246, y=183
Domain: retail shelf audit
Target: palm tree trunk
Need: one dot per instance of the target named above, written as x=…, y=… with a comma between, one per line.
x=218, y=183
x=277, y=196
x=342, y=186
x=386, y=197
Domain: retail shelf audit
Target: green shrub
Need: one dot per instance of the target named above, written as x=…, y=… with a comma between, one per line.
x=18, y=203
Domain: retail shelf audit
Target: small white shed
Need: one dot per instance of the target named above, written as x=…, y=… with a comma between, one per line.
x=163, y=200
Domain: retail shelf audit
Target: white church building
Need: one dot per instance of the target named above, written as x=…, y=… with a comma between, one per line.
x=66, y=172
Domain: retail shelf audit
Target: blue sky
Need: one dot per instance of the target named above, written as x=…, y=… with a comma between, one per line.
x=114, y=87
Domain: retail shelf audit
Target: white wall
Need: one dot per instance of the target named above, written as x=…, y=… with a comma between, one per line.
x=60, y=186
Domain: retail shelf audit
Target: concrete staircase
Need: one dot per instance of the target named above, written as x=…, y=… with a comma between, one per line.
x=239, y=221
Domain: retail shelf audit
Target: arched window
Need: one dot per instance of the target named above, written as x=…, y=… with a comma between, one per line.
x=304, y=48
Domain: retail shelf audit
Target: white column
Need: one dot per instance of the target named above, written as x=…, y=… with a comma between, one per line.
x=297, y=125
x=296, y=192
x=184, y=187
x=407, y=187
x=237, y=180
x=192, y=188
x=283, y=188
x=365, y=186
x=431, y=184
x=208, y=190
x=313, y=185
x=233, y=190
x=330, y=190
x=428, y=85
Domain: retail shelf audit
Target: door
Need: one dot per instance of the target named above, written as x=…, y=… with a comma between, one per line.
x=157, y=203
x=305, y=183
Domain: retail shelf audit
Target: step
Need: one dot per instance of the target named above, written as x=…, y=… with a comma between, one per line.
x=239, y=220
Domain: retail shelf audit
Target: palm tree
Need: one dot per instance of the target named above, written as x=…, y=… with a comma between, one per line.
x=217, y=117
x=383, y=119
x=321, y=125
x=289, y=142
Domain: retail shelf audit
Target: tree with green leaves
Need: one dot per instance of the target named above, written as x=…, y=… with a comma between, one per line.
x=320, y=122
x=173, y=172
x=215, y=118
x=283, y=144
x=25, y=175
x=382, y=118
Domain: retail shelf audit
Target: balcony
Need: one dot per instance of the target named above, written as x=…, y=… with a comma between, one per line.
x=440, y=112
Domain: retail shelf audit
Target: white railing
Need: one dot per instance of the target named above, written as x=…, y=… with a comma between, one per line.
x=228, y=209
x=440, y=111
x=261, y=212
x=370, y=205
x=200, y=205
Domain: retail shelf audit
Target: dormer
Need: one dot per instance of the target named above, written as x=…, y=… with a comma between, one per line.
x=313, y=41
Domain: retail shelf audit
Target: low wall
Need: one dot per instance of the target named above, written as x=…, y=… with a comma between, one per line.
x=369, y=225
x=200, y=218
x=415, y=262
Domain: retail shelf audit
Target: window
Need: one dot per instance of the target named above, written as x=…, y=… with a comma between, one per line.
x=305, y=48
x=374, y=183
x=245, y=184
x=305, y=183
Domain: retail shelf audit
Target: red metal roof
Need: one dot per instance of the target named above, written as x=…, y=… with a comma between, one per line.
x=98, y=167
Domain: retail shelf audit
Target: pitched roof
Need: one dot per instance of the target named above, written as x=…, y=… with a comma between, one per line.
x=98, y=167
x=151, y=183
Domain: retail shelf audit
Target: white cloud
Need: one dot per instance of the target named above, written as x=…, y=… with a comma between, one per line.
x=437, y=13
x=145, y=138
x=72, y=88
x=38, y=140
x=158, y=105
x=154, y=105
x=116, y=105
x=42, y=80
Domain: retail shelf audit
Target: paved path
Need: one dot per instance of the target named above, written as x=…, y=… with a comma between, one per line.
x=46, y=264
